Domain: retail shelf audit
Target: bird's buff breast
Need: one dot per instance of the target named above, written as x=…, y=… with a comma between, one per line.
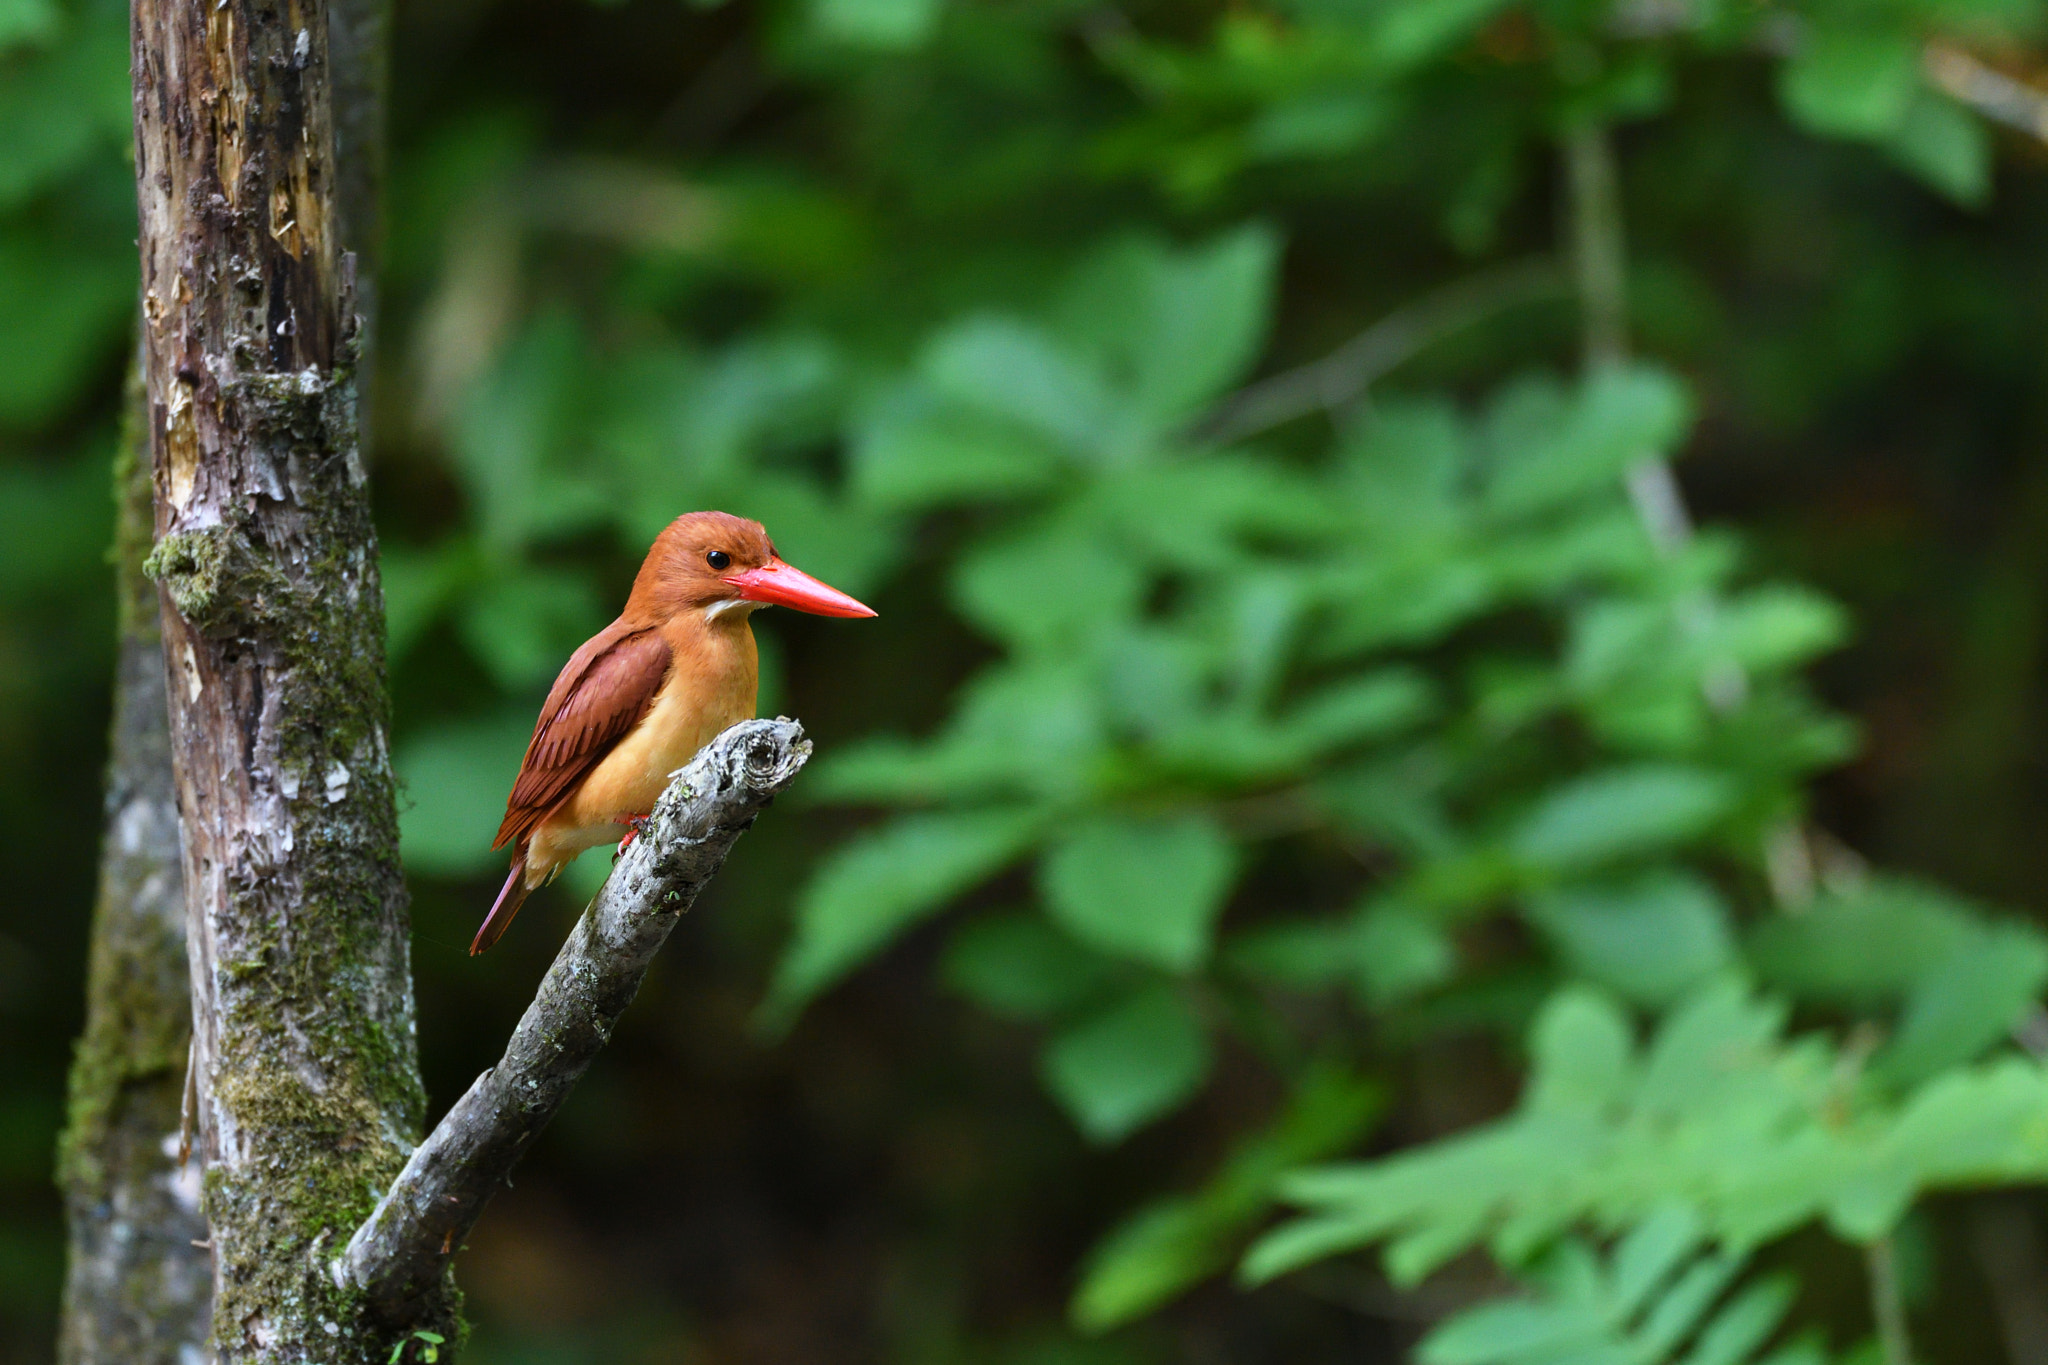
x=710, y=687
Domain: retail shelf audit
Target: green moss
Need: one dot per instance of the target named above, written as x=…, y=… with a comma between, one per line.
x=138, y=1029
x=219, y=580
x=134, y=520
x=318, y=1063
x=138, y=1016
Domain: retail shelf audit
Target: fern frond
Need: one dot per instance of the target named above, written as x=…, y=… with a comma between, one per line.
x=1660, y=1297
x=1719, y=1112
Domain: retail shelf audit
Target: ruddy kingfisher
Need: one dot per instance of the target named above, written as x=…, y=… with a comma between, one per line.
x=644, y=694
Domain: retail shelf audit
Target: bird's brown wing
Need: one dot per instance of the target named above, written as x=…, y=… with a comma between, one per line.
x=600, y=695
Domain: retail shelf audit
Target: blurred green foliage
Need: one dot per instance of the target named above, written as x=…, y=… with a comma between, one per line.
x=1284, y=738
x=1658, y=1294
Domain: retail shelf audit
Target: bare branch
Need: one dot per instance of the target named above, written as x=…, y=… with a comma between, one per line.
x=1972, y=81
x=1961, y=75
x=1340, y=377
x=400, y=1254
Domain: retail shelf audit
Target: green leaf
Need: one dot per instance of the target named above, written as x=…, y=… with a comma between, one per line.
x=1300, y=954
x=1174, y=327
x=1407, y=464
x=513, y=424
x=1755, y=1132
x=1947, y=146
x=1863, y=947
x=1651, y=1301
x=1744, y=1325
x=704, y=417
x=1397, y=800
x=1645, y=1260
x=1118, y=1071
x=1851, y=81
x=1388, y=951
x=1018, y=965
x=63, y=107
x=1549, y=453
x=1324, y=123
x=1649, y=940
x=1580, y=1046
x=1170, y=1245
x=1051, y=587
x=27, y=22
x=1774, y=627
x=522, y=625
x=1020, y=730
x=1149, y=890
x=1198, y=515
x=1621, y=813
x=1208, y=318
x=879, y=884
x=64, y=308
x=1517, y=1332
x=1715, y=1040
x=1690, y=1297
x=1373, y=706
x=1400, y=953
x=418, y=586
x=1150, y=1259
x=456, y=779
x=914, y=451
x=1410, y=33
x=1966, y=1004
x=1004, y=368
x=884, y=25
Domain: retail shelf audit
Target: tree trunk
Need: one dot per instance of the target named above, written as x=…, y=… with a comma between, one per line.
x=137, y=1286
x=308, y=1091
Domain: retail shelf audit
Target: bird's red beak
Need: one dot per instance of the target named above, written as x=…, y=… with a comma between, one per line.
x=779, y=585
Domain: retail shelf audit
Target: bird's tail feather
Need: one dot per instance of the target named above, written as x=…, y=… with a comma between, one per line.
x=504, y=908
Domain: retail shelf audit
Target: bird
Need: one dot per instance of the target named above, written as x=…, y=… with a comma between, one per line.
x=643, y=695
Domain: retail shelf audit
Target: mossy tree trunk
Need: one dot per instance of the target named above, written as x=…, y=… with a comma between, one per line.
x=138, y=1282
x=306, y=1070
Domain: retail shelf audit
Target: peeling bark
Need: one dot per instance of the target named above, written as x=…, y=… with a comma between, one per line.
x=137, y=1288
x=402, y=1252
x=308, y=1091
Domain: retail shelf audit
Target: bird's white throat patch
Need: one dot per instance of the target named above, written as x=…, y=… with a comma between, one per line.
x=742, y=606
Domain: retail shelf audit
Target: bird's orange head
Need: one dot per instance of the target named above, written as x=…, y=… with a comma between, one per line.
x=707, y=561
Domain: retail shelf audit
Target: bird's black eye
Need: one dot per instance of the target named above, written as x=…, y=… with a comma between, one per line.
x=719, y=560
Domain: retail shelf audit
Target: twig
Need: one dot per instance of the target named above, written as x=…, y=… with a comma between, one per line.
x=1887, y=1302
x=1961, y=75
x=1347, y=372
x=1599, y=263
x=1984, y=88
x=402, y=1251
x=1600, y=266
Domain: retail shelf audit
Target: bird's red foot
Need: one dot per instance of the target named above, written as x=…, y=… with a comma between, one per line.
x=636, y=825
